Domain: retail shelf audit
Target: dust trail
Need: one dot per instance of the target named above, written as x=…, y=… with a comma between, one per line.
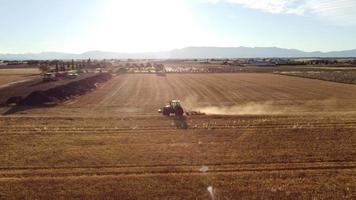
x=193, y=103
x=266, y=108
x=281, y=107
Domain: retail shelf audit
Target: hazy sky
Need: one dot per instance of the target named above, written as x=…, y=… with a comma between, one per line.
x=153, y=25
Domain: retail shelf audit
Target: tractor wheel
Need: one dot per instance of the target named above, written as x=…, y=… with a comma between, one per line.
x=179, y=111
x=165, y=112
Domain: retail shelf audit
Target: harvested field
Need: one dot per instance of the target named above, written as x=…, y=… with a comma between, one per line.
x=143, y=94
x=19, y=71
x=265, y=136
x=348, y=77
x=12, y=76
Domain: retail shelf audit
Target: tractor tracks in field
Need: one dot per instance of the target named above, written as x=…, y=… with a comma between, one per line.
x=170, y=169
x=51, y=130
x=115, y=88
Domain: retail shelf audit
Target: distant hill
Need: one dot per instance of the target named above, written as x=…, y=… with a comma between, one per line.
x=189, y=52
x=255, y=52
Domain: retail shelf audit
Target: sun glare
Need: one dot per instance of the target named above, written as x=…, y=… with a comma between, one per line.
x=144, y=26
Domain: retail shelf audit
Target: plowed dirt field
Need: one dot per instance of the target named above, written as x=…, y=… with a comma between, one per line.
x=264, y=137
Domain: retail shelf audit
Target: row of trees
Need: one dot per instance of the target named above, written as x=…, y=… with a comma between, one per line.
x=61, y=65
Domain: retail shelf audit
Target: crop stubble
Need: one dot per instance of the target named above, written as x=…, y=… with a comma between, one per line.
x=111, y=142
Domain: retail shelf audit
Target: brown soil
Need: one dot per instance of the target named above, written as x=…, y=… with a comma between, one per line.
x=111, y=143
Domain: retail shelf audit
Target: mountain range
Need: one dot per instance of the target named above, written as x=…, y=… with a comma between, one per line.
x=188, y=52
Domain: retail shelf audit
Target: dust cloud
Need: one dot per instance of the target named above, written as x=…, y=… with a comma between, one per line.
x=194, y=103
x=278, y=107
x=266, y=108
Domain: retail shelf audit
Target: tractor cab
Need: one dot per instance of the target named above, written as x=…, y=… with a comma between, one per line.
x=174, y=103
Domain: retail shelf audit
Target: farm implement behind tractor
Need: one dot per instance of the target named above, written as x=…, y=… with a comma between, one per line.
x=175, y=107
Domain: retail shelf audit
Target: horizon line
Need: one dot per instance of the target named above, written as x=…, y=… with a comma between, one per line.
x=161, y=51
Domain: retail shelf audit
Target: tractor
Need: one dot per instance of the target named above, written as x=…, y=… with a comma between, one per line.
x=173, y=106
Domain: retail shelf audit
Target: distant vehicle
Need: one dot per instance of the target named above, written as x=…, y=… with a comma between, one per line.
x=49, y=77
x=173, y=107
x=72, y=75
x=98, y=70
x=82, y=71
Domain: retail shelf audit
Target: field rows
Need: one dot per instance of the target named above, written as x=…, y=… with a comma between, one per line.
x=100, y=130
x=146, y=93
x=38, y=172
x=212, y=140
x=112, y=142
x=161, y=124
